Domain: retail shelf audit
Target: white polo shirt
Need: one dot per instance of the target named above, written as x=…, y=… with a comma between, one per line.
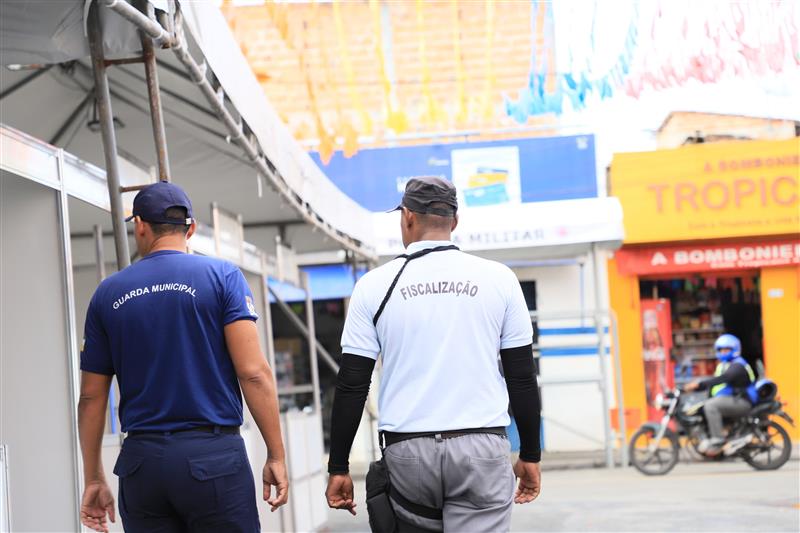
x=439, y=335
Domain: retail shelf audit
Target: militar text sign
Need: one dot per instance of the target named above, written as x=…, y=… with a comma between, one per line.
x=699, y=258
x=485, y=173
x=528, y=225
x=709, y=191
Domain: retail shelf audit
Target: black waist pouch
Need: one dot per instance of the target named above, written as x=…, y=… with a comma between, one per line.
x=381, y=513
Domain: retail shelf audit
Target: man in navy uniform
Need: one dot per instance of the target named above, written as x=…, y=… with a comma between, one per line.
x=178, y=330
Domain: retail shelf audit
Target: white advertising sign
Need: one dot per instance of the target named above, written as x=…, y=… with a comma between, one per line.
x=520, y=226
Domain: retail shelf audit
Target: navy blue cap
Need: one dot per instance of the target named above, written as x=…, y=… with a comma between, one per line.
x=152, y=202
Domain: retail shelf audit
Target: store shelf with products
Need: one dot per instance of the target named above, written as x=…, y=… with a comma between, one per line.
x=717, y=330
x=697, y=343
x=697, y=322
x=703, y=307
x=693, y=347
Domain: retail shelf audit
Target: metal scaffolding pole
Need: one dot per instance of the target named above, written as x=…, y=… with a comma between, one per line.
x=106, y=118
x=99, y=253
x=601, y=352
x=312, y=343
x=623, y=432
x=267, y=320
x=154, y=94
x=298, y=323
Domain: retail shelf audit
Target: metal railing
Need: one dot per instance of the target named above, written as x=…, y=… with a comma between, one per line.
x=602, y=323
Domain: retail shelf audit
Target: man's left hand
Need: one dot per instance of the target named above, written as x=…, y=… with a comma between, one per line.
x=530, y=481
x=97, y=502
x=340, y=493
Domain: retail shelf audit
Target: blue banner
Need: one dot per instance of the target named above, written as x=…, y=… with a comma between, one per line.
x=485, y=173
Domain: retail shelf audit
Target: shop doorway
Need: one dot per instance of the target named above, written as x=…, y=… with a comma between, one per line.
x=701, y=308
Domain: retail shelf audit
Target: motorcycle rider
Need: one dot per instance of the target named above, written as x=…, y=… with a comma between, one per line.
x=732, y=390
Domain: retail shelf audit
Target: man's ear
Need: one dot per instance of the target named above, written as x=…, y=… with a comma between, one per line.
x=191, y=231
x=407, y=217
x=138, y=226
x=454, y=225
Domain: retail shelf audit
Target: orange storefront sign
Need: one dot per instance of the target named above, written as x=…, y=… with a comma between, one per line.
x=702, y=258
x=709, y=191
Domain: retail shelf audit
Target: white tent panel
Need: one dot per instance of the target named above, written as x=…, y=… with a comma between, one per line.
x=35, y=355
x=52, y=31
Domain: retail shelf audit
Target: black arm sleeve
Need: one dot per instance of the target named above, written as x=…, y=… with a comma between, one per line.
x=735, y=376
x=352, y=387
x=523, y=395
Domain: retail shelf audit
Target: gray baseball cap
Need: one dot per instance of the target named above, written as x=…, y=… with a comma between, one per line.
x=423, y=191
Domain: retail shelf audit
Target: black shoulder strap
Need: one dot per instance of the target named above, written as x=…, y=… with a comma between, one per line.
x=409, y=257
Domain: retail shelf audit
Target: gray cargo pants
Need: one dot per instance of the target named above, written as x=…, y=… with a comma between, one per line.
x=469, y=477
x=724, y=406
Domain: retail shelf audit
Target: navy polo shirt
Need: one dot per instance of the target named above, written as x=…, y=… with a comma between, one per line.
x=159, y=326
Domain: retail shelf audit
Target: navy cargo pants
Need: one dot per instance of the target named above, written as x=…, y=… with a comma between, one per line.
x=186, y=481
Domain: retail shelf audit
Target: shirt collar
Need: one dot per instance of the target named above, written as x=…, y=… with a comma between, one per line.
x=160, y=252
x=423, y=245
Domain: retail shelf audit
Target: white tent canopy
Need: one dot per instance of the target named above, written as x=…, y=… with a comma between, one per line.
x=297, y=200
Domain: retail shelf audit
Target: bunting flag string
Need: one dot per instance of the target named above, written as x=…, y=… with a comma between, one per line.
x=715, y=41
x=344, y=128
x=568, y=70
x=395, y=119
x=487, y=109
x=327, y=143
x=352, y=88
x=432, y=113
x=461, y=111
x=668, y=44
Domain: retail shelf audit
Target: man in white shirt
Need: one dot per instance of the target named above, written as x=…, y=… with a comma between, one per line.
x=438, y=318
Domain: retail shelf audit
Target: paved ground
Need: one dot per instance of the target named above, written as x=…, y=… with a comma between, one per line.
x=694, y=497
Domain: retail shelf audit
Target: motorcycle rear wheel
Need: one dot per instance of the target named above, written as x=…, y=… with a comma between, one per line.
x=661, y=460
x=773, y=453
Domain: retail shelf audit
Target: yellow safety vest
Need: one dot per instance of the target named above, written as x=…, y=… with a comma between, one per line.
x=721, y=368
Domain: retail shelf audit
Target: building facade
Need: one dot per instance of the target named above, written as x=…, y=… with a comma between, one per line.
x=712, y=245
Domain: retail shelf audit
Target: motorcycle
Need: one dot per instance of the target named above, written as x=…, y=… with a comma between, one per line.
x=759, y=441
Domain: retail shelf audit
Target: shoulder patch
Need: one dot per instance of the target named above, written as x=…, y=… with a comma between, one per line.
x=251, y=307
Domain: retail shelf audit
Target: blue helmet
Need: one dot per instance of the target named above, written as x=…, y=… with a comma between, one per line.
x=730, y=342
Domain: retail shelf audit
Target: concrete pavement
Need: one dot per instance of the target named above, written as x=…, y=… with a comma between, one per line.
x=727, y=496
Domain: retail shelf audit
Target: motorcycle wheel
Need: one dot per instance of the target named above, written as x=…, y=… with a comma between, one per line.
x=661, y=460
x=772, y=453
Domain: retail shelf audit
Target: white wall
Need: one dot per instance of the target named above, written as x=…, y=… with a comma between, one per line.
x=35, y=396
x=558, y=285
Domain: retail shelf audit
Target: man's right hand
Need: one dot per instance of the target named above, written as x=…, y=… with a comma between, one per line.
x=275, y=474
x=340, y=493
x=97, y=502
x=530, y=481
